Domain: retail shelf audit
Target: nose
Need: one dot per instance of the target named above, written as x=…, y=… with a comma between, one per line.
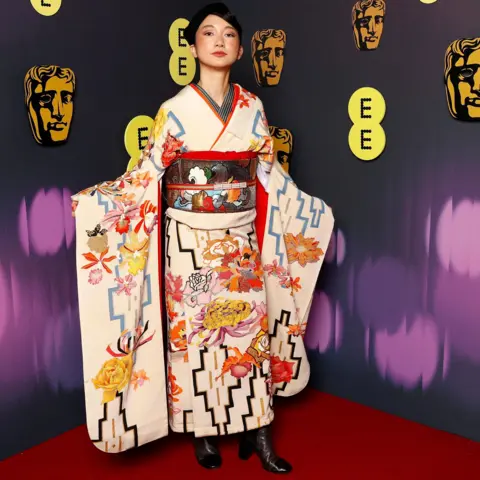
x=372, y=26
x=272, y=60
x=476, y=83
x=58, y=112
x=219, y=42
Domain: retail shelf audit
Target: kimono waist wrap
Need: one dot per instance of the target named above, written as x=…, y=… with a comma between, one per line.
x=212, y=182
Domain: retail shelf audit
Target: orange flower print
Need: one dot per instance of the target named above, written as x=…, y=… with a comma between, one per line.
x=171, y=148
x=148, y=217
x=138, y=379
x=174, y=391
x=302, y=250
x=297, y=330
x=239, y=365
x=243, y=101
x=178, y=336
x=141, y=179
x=248, y=94
x=102, y=260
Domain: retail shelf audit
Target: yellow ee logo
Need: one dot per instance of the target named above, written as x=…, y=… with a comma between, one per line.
x=428, y=2
x=46, y=8
x=136, y=138
x=182, y=63
x=366, y=110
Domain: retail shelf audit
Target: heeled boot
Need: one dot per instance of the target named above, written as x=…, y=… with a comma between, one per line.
x=260, y=442
x=207, y=453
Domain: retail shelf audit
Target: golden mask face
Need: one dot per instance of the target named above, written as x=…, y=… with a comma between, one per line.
x=49, y=94
x=268, y=55
x=282, y=145
x=367, y=19
x=462, y=79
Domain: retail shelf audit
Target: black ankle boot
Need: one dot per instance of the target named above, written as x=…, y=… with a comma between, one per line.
x=260, y=442
x=207, y=454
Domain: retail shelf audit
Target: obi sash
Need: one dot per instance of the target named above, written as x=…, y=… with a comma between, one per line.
x=212, y=182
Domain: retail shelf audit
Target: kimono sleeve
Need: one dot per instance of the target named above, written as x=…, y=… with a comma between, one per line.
x=266, y=151
x=162, y=146
x=157, y=155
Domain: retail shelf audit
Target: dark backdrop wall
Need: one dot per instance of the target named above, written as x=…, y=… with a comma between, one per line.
x=395, y=320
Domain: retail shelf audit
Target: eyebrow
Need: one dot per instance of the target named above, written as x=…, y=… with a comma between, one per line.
x=212, y=26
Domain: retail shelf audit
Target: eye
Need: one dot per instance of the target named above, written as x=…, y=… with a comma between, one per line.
x=67, y=98
x=466, y=72
x=45, y=98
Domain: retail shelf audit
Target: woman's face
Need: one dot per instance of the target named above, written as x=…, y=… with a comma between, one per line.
x=217, y=44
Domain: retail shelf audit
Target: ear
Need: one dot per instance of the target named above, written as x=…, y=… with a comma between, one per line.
x=240, y=53
x=193, y=50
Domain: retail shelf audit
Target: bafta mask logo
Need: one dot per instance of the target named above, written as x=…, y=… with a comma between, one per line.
x=367, y=19
x=282, y=145
x=49, y=94
x=462, y=79
x=268, y=55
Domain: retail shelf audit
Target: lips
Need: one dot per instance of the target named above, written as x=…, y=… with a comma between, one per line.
x=473, y=101
x=371, y=39
x=57, y=126
x=219, y=54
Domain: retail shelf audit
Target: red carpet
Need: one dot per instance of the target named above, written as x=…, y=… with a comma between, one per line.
x=323, y=437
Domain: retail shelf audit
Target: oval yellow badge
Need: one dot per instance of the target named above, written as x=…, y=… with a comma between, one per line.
x=182, y=64
x=366, y=109
x=136, y=135
x=46, y=8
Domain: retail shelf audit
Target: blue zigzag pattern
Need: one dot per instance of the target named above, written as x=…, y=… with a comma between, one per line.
x=301, y=200
x=273, y=209
x=316, y=213
x=112, y=290
x=103, y=203
x=258, y=117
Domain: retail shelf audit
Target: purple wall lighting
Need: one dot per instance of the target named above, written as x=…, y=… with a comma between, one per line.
x=47, y=224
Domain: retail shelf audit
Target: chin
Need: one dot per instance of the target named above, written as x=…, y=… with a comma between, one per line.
x=218, y=63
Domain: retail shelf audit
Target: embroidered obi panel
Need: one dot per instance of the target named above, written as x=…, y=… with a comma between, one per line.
x=212, y=182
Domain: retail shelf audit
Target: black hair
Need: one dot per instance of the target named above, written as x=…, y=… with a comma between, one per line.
x=218, y=9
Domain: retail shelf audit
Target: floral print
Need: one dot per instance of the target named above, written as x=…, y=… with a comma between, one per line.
x=284, y=278
x=135, y=253
x=138, y=379
x=216, y=249
x=148, y=217
x=221, y=318
x=103, y=260
x=125, y=285
x=171, y=149
x=239, y=365
x=201, y=286
x=302, y=250
x=120, y=218
x=282, y=371
x=241, y=271
x=174, y=390
x=95, y=276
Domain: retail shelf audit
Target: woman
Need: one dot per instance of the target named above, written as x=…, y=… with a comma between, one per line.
x=234, y=337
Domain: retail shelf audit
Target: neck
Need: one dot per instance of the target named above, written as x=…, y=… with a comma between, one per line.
x=215, y=82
